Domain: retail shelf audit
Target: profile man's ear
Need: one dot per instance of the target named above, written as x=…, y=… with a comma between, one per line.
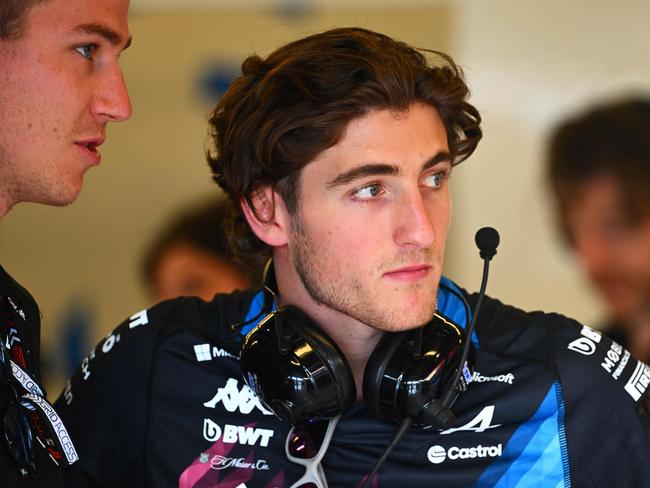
x=268, y=216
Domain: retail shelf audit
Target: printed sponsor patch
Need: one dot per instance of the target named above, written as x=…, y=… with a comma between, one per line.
x=217, y=466
x=507, y=378
x=137, y=319
x=206, y=352
x=233, y=399
x=586, y=343
x=236, y=434
x=639, y=381
x=615, y=360
x=438, y=454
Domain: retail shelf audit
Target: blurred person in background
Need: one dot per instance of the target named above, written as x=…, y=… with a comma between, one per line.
x=60, y=85
x=599, y=170
x=191, y=256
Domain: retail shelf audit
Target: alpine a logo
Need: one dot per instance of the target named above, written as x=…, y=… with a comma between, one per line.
x=233, y=399
x=438, y=454
x=480, y=423
x=236, y=434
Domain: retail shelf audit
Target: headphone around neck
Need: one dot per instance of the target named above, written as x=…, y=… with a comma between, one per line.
x=301, y=374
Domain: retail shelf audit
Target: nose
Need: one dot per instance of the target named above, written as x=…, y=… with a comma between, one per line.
x=111, y=102
x=414, y=224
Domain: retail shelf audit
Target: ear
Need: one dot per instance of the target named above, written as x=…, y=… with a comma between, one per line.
x=269, y=219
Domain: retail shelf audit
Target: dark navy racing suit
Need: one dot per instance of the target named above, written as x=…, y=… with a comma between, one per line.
x=160, y=402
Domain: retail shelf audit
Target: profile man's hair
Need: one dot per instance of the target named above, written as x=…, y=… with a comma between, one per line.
x=286, y=109
x=12, y=16
x=610, y=139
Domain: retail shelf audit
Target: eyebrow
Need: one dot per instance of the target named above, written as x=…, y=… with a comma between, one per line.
x=382, y=169
x=107, y=33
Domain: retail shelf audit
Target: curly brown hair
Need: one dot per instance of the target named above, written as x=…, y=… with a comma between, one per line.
x=285, y=109
x=12, y=16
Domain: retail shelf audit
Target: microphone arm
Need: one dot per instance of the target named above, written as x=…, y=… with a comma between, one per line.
x=487, y=240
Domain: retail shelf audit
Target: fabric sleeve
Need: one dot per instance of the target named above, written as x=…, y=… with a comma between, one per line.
x=104, y=404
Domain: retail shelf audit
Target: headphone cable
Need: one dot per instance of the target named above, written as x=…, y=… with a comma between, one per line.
x=399, y=434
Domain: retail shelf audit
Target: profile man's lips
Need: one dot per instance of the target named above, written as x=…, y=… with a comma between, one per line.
x=89, y=147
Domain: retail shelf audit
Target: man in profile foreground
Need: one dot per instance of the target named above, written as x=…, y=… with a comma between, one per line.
x=60, y=85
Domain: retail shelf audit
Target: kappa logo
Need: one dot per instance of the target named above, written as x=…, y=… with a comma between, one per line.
x=438, y=454
x=232, y=398
x=205, y=352
x=480, y=423
x=233, y=434
x=586, y=344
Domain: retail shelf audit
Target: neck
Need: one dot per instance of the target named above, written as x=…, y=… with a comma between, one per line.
x=5, y=204
x=355, y=339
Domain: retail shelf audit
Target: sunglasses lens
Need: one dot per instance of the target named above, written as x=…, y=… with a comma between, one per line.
x=306, y=440
x=19, y=437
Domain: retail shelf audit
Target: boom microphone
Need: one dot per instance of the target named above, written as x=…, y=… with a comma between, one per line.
x=487, y=240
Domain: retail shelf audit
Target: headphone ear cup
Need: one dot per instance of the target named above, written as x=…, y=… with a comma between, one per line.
x=397, y=383
x=380, y=392
x=296, y=368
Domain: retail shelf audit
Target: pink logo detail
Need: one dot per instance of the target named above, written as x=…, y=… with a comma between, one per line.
x=214, y=468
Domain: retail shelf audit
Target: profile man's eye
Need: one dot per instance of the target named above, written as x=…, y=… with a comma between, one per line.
x=86, y=51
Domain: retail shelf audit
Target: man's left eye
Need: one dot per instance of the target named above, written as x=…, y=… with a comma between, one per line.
x=433, y=180
x=367, y=192
x=87, y=50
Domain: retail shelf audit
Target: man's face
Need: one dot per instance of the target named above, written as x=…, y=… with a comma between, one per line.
x=369, y=236
x=60, y=84
x=614, y=251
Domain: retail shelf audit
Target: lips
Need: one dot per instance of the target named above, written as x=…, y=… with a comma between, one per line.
x=89, y=148
x=409, y=273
